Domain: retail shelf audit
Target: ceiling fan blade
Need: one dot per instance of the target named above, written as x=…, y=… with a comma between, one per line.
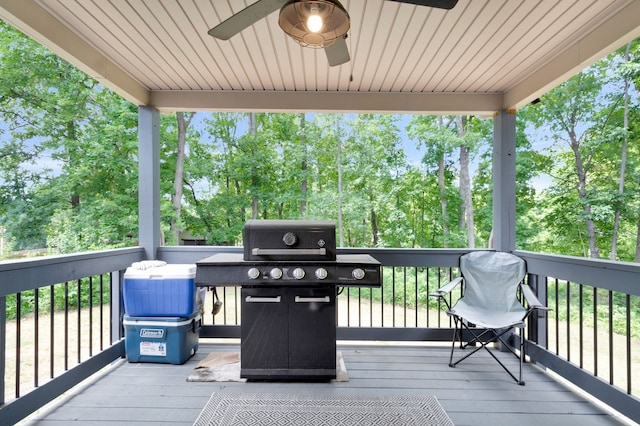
x=245, y=18
x=440, y=4
x=337, y=53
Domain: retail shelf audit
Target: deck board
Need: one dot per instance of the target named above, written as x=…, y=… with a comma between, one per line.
x=477, y=392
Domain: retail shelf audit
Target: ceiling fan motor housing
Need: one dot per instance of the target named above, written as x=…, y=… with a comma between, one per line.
x=295, y=14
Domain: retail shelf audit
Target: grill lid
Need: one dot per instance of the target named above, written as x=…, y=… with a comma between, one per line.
x=289, y=240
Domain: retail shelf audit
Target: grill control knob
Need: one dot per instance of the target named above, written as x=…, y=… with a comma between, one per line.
x=253, y=273
x=276, y=273
x=357, y=273
x=289, y=239
x=321, y=273
x=298, y=273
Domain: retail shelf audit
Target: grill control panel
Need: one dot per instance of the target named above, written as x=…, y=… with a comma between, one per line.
x=231, y=270
x=310, y=274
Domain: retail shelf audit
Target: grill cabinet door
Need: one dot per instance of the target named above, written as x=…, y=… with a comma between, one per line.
x=264, y=331
x=312, y=328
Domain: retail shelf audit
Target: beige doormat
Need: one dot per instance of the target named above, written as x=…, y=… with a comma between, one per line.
x=225, y=367
x=233, y=408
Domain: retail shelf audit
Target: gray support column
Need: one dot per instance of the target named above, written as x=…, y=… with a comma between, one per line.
x=117, y=306
x=3, y=346
x=504, y=181
x=149, y=180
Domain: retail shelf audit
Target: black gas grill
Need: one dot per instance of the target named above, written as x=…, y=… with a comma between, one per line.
x=290, y=274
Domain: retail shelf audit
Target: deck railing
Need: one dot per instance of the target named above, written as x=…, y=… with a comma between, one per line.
x=590, y=337
x=60, y=322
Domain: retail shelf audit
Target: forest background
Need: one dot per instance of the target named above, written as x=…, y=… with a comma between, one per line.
x=68, y=167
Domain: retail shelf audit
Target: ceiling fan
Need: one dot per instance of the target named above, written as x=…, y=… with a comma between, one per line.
x=312, y=23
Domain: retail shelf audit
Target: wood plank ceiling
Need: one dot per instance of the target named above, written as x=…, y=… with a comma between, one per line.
x=483, y=55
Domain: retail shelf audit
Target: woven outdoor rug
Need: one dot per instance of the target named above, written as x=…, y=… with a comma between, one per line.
x=233, y=408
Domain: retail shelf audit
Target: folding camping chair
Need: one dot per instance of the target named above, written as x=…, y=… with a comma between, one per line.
x=489, y=307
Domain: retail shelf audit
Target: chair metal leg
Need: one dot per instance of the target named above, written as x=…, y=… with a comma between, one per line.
x=477, y=337
x=521, y=382
x=457, y=335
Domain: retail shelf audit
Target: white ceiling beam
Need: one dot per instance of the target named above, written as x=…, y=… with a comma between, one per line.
x=609, y=36
x=387, y=102
x=30, y=18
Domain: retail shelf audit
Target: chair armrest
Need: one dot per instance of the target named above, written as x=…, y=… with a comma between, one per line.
x=447, y=288
x=531, y=298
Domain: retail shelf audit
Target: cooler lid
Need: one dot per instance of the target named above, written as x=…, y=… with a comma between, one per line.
x=160, y=321
x=175, y=270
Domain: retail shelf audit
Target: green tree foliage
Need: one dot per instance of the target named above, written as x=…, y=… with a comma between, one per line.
x=88, y=197
x=583, y=119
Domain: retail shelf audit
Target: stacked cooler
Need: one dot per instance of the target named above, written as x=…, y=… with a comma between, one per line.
x=162, y=318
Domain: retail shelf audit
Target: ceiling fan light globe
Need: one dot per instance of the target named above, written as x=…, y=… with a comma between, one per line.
x=314, y=23
x=294, y=21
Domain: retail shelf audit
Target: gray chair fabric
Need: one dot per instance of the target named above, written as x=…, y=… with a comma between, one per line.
x=489, y=307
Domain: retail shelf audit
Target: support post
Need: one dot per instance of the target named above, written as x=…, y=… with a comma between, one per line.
x=149, y=180
x=504, y=181
x=117, y=306
x=3, y=346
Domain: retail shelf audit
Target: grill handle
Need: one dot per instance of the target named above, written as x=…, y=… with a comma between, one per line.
x=287, y=252
x=253, y=299
x=300, y=299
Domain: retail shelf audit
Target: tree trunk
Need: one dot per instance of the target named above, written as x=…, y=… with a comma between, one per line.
x=443, y=194
x=183, y=120
x=623, y=162
x=582, y=195
x=303, y=167
x=340, y=228
x=465, y=186
x=254, y=172
x=374, y=227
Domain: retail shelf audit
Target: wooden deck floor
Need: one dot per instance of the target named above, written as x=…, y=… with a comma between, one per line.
x=476, y=392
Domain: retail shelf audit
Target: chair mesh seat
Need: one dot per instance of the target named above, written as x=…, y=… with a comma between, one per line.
x=489, y=318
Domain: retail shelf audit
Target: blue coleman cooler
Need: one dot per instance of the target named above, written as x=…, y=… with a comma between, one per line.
x=169, y=340
x=162, y=290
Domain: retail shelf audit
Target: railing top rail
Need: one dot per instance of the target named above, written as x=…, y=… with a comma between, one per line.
x=387, y=256
x=27, y=274
x=23, y=274
x=606, y=274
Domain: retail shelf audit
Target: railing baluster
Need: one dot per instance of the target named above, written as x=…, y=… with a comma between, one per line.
x=427, y=283
x=595, y=331
x=581, y=324
x=404, y=287
x=393, y=297
x=628, y=341
x=439, y=299
x=52, y=330
x=36, y=336
x=359, y=307
x=611, y=337
x=237, y=302
x=18, y=341
x=101, y=311
x=79, y=317
x=568, y=310
x=66, y=326
x=415, y=286
x=90, y=316
x=556, y=311
x=383, y=269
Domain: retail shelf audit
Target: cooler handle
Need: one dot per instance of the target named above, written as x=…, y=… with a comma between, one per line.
x=196, y=325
